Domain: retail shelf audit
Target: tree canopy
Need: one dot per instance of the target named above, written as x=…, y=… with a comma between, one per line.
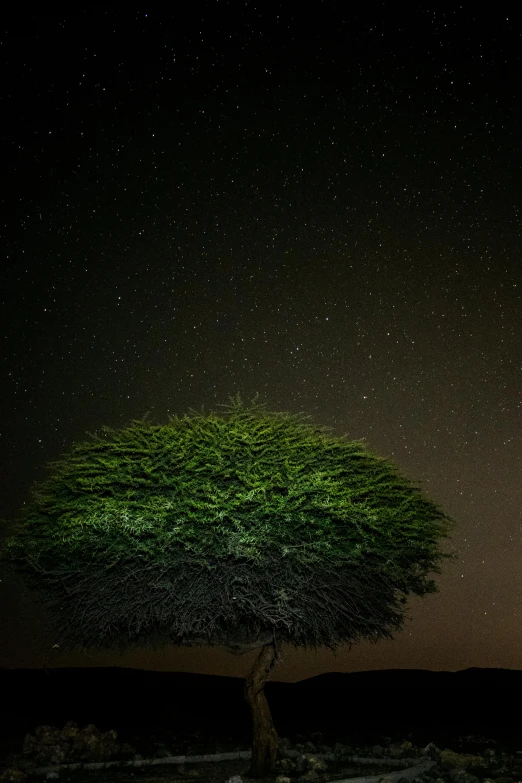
x=230, y=529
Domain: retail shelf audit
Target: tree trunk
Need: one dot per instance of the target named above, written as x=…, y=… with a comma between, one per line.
x=264, y=744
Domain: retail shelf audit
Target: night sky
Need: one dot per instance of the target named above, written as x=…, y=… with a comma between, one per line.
x=322, y=206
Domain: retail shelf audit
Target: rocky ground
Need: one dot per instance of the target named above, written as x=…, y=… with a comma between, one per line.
x=316, y=757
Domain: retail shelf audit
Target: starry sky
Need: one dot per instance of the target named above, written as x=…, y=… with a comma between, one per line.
x=323, y=207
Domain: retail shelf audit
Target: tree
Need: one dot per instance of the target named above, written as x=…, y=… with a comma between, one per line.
x=247, y=530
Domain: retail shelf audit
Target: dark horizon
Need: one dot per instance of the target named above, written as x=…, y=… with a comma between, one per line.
x=376, y=677
x=116, y=698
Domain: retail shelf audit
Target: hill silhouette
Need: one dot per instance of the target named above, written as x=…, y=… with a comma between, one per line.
x=114, y=696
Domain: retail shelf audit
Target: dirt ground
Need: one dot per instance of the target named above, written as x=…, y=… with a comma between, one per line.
x=208, y=772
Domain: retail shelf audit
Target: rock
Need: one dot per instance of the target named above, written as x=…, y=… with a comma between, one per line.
x=399, y=750
x=432, y=752
x=461, y=776
x=283, y=743
x=14, y=775
x=451, y=760
x=343, y=750
x=162, y=751
x=50, y=746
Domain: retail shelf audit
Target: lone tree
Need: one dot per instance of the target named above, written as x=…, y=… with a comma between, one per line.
x=247, y=530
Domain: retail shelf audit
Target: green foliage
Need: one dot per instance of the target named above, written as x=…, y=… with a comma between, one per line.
x=224, y=528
